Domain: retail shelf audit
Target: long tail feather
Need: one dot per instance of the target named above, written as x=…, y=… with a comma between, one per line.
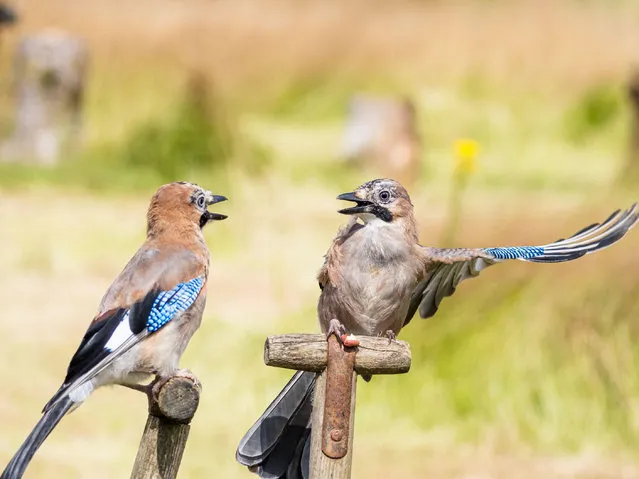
x=277, y=438
x=50, y=419
x=284, y=460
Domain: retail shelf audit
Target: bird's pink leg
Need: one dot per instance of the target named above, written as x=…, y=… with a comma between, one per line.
x=143, y=388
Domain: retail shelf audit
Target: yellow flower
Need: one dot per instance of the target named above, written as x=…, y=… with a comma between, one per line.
x=466, y=152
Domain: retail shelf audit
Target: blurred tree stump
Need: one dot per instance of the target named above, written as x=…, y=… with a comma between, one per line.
x=49, y=81
x=7, y=18
x=7, y=15
x=382, y=134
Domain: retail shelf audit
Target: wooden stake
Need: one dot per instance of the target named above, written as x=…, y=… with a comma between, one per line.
x=333, y=418
x=167, y=429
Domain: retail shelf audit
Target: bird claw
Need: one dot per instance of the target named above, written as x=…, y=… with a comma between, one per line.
x=154, y=388
x=390, y=334
x=186, y=373
x=336, y=328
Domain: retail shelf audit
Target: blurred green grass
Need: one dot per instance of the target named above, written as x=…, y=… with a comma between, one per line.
x=528, y=371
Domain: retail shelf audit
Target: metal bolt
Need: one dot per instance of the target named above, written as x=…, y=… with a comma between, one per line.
x=337, y=434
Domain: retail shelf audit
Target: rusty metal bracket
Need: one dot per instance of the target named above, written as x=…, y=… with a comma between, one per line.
x=337, y=405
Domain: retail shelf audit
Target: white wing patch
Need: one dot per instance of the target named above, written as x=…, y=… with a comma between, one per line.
x=120, y=335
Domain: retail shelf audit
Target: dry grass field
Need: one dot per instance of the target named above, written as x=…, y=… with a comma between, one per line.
x=528, y=371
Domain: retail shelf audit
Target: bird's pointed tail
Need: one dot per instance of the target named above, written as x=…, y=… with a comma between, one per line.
x=49, y=420
x=276, y=447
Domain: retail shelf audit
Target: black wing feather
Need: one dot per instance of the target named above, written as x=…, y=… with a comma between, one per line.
x=92, y=348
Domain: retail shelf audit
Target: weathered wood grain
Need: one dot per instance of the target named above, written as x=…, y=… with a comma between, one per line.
x=167, y=429
x=308, y=352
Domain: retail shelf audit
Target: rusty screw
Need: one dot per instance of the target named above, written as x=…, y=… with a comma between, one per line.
x=337, y=435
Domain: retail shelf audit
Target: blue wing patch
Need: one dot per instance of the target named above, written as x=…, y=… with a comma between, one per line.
x=114, y=327
x=168, y=303
x=515, y=252
x=110, y=335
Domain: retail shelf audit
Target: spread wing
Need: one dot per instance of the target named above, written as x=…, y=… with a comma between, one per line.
x=446, y=268
x=115, y=331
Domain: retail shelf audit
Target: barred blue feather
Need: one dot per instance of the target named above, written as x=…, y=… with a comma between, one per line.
x=515, y=252
x=168, y=303
x=119, y=329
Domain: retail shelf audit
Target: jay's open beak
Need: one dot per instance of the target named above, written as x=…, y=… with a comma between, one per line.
x=363, y=206
x=211, y=199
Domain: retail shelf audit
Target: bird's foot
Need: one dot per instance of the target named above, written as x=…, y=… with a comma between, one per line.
x=186, y=373
x=154, y=388
x=390, y=334
x=338, y=329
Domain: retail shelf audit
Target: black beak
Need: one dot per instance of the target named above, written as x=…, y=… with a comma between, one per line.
x=215, y=216
x=363, y=206
x=211, y=200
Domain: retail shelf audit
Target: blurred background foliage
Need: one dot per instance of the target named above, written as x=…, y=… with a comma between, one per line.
x=528, y=371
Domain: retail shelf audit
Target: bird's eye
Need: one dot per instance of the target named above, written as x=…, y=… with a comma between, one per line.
x=200, y=201
x=385, y=196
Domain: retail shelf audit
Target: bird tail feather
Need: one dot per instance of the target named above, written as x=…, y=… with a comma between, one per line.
x=276, y=447
x=49, y=420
